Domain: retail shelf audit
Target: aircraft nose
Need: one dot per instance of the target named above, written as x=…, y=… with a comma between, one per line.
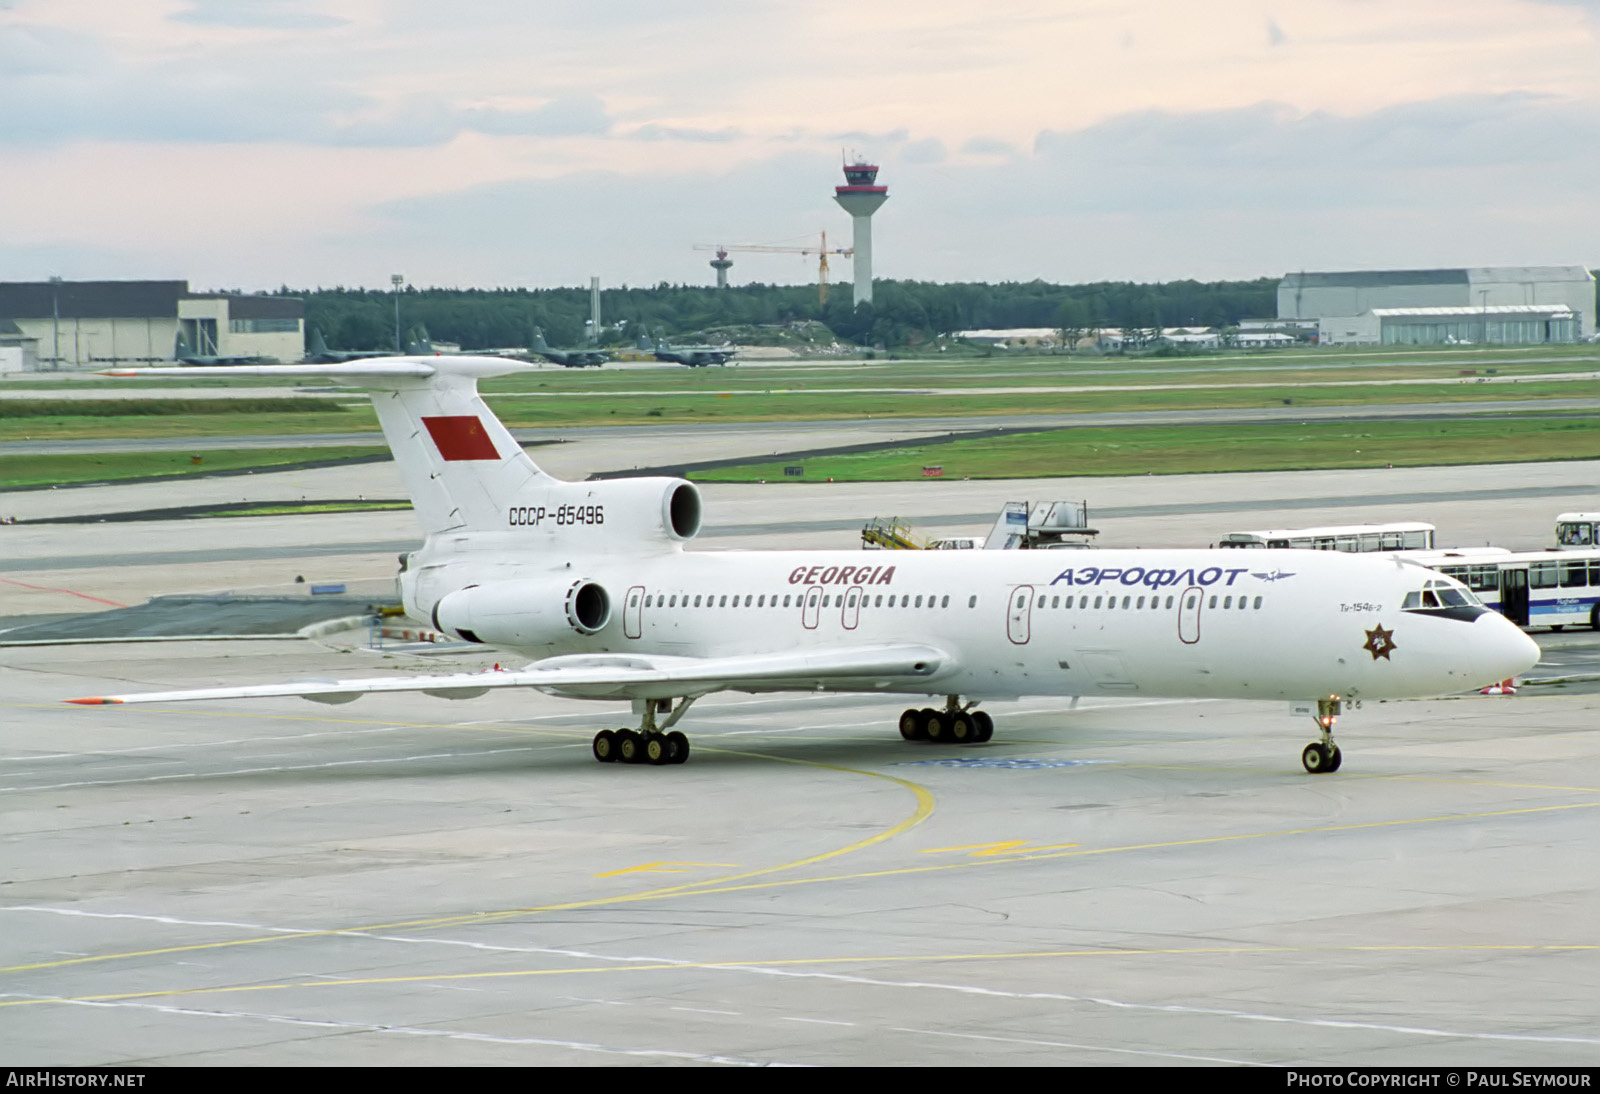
x=1511, y=652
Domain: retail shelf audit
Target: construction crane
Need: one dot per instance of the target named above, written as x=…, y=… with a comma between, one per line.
x=822, y=251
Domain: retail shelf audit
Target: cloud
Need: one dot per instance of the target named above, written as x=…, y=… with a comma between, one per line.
x=654, y=132
x=927, y=150
x=988, y=146
x=256, y=14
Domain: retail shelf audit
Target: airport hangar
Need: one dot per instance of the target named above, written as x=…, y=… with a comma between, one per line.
x=66, y=325
x=1496, y=305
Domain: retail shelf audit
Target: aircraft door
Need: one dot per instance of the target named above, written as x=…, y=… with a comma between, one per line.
x=633, y=613
x=1189, y=614
x=1019, y=614
x=811, y=608
x=1514, y=596
x=852, y=607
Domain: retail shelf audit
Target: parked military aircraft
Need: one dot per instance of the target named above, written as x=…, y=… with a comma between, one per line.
x=182, y=354
x=593, y=578
x=320, y=354
x=693, y=356
x=568, y=358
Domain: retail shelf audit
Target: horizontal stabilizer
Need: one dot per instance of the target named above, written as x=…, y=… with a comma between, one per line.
x=357, y=372
x=607, y=675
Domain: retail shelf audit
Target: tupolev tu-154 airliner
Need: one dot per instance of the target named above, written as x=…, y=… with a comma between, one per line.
x=592, y=580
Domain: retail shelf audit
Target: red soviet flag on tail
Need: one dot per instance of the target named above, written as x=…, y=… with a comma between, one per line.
x=461, y=437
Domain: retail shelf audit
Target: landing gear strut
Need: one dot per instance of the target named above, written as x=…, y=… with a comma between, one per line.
x=650, y=743
x=1323, y=757
x=956, y=724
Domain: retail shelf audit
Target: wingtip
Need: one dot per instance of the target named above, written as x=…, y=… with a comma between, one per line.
x=93, y=701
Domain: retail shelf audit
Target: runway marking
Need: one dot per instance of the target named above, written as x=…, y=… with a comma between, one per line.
x=179, y=745
x=1005, y=847
x=661, y=868
x=423, y=1031
x=720, y=885
x=923, y=810
x=69, y=592
x=267, y=770
x=797, y=967
x=942, y=1033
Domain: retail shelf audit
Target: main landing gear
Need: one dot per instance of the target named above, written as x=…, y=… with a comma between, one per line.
x=1323, y=757
x=649, y=744
x=954, y=725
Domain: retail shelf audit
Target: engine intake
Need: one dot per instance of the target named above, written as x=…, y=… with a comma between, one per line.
x=524, y=613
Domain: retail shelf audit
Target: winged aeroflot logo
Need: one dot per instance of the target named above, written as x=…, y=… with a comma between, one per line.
x=1271, y=575
x=1380, y=643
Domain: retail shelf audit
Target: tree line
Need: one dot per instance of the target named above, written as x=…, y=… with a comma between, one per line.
x=903, y=313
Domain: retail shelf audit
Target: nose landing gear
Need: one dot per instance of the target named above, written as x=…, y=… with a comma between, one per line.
x=1323, y=757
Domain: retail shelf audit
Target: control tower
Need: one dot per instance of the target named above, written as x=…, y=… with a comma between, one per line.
x=861, y=197
x=722, y=263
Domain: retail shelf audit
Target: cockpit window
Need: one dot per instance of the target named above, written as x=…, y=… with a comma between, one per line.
x=1443, y=598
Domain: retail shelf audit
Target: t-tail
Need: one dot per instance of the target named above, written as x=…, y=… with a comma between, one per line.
x=466, y=473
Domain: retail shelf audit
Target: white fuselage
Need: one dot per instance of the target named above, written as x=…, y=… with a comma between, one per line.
x=1268, y=625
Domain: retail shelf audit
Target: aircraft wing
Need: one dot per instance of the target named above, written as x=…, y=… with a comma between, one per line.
x=611, y=675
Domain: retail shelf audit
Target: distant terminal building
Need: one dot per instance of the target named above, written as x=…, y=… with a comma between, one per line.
x=1499, y=305
x=59, y=325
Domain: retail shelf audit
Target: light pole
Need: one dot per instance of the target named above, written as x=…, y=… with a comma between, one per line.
x=397, y=280
x=55, y=320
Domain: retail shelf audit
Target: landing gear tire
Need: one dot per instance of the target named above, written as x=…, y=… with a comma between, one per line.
x=657, y=749
x=984, y=726
x=680, y=747
x=605, y=746
x=934, y=725
x=1321, y=759
x=910, y=726
x=629, y=747
x=962, y=729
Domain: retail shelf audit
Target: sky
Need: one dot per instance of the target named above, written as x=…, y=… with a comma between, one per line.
x=255, y=143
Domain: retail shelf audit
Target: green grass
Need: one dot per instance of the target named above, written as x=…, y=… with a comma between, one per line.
x=1138, y=450
x=162, y=408
x=45, y=470
x=297, y=508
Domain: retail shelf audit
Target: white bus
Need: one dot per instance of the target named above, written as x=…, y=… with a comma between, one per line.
x=1577, y=530
x=1552, y=589
x=1400, y=536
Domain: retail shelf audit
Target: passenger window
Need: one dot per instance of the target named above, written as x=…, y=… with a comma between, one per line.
x=944, y=601
x=1041, y=602
x=1140, y=604
x=1055, y=602
x=1258, y=604
x=1069, y=602
x=919, y=602
x=1126, y=601
x=785, y=601
x=723, y=603
x=1191, y=603
x=647, y=601
x=879, y=602
x=1243, y=603
x=1213, y=603
x=1169, y=601
x=1227, y=602
x=674, y=603
x=1096, y=601
x=1111, y=602
x=1019, y=601
x=972, y=602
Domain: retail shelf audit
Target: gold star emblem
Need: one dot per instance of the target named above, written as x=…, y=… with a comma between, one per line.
x=1380, y=643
